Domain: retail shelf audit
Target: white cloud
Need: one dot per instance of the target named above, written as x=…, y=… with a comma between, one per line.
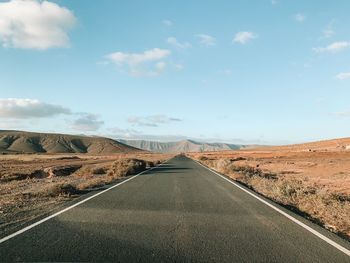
x=13, y=108
x=160, y=66
x=122, y=133
x=138, y=58
x=15, y=124
x=152, y=121
x=141, y=64
x=343, y=75
x=243, y=37
x=34, y=24
x=179, y=66
x=87, y=122
x=167, y=22
x=174, y=42
x=299, y=17
x=328, y=31
x=334, y=47
x=206, y=40
x=343, y=114
x=274, y=2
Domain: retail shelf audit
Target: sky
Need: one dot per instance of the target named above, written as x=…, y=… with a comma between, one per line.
x=256, y=71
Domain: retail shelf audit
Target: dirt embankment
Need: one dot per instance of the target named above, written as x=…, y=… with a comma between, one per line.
x=315, y=184
x=33, y=185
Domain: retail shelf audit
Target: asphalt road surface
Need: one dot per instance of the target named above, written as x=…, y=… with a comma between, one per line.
x=179, y=212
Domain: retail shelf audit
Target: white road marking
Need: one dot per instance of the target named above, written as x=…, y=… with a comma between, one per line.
x=316, y=233
x=70, y=207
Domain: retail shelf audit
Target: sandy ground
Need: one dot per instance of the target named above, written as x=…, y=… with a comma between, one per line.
x=312, y=179
x=326, y=169
x=33, y=185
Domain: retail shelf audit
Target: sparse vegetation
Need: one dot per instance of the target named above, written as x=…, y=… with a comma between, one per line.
x=317, y=202
x=99, y=171
x=60, y=189
x=31, y=185
x=16, y=142
x=126, y=167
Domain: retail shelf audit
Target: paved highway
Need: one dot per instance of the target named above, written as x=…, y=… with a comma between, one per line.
x=179, y=212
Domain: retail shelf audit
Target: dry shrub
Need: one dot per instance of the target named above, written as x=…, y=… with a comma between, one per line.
x=126, y=167
x=120, y=168
x=202, y=158
x=99, y=171
x=227, y=166
x=94, y=182
x=30, y=185
x=320, y=205
x=208, y=162
x=153, y=163
x=252, y=172
x=238, y=159
x=150, y=164
x=91, y=170
x=23, y=176
x=223, y=165
x=62, y=170
x=55, y=190
x=68, y=158
x=328, y=209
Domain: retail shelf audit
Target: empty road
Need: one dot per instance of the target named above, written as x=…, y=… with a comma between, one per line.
x=179, y=212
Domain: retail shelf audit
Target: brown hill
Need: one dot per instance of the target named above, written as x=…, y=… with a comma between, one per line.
x=342, y=144
x=30, y=142
x=181, y=146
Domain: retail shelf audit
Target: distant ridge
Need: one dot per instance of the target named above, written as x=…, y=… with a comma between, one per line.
x=181, y=146
x=31, y=142
x=340, y=144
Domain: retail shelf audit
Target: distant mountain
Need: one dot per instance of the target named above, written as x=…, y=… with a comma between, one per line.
x=181, y=146
x=30, y=142
x=341, y=144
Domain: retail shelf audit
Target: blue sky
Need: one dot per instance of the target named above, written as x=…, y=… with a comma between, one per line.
x=238, y=71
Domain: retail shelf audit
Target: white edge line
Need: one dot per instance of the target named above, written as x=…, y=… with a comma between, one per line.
x=316, y=233
x=70, y=207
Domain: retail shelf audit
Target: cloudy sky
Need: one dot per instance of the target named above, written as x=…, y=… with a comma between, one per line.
x=238, y=71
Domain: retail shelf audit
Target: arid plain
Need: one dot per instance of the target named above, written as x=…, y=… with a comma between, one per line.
x=36, y=179
x=313, y=179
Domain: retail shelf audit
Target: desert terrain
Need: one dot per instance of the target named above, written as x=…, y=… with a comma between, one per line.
x=34, y=185
x=54, y=171
x=18, y=142
x=312, y=179
x=181, y=146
